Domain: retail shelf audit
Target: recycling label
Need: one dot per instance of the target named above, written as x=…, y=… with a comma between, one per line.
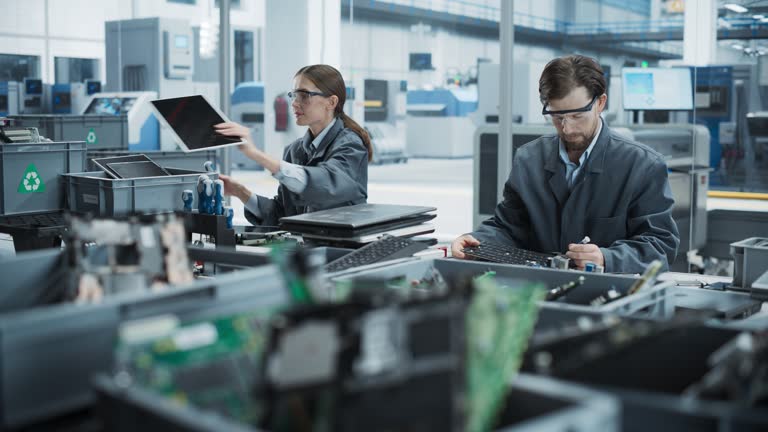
x=31, y=181
x=91, y=137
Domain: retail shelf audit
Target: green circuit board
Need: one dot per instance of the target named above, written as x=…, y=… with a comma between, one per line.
x=209, y=364
x=500, y=320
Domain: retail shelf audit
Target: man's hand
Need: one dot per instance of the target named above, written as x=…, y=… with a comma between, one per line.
x=581, y=254
x=460, y=243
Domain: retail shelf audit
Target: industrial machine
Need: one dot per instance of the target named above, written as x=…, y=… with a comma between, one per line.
x=248, y=110
x=32, y=96
x=526, y=108
x=384, y=117
x=491, y=172
x=438, y=122
x=143, y=127
x=151, y=54
x=72, y=98
x=713, y=103
x=9, y=98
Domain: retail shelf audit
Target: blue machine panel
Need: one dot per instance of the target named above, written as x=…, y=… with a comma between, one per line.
x=248, y=92
x=457, y=102
x=61, y=99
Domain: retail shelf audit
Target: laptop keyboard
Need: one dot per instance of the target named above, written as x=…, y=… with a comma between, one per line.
x=502, y=254
x=386, y=249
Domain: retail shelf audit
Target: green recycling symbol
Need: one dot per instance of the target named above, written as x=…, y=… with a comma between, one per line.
x=31, y=181
x=91, y=137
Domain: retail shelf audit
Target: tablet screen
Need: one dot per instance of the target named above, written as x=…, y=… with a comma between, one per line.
x=129, y=170
x=192, y=119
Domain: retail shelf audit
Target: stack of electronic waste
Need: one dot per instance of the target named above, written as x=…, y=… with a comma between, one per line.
x=60, y=308
x=357, y=225
x=437, y=356
x=13, y=134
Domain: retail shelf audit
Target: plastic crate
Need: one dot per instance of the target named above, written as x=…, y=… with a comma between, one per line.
x=22, y=165
x=751, y=261
x=650, y=376
x=533, y=404
x=760, y=287
x=98, y=131
x=176, y=159
x=666, y=302
x=595, y=284
x=95, y=193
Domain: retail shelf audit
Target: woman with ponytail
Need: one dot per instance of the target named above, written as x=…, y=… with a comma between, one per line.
x=326, y=168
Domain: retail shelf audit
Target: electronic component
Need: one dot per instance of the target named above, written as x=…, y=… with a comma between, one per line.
x=386, y=249
x=593, y=268
x=118, y=256
x=230, y=214
x=204, y=195
x=500, y=320
x=607, y=297
x=559, y=291
x=494, y=252
x=737, y=371
x=648, y=277
x=560, y=262
x=380, y=346
x=212, y=365
x=188, y=197
x=218, y=197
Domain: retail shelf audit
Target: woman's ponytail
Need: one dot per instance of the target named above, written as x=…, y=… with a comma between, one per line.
x=362, y=133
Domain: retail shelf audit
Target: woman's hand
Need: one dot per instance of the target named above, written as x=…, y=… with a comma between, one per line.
x=234, y=188
x=232, y=129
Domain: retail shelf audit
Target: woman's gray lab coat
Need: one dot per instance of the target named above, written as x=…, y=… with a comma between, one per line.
x=337, y=176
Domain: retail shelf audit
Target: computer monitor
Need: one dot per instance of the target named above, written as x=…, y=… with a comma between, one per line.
x=420, y=61
x=92, y=86
x=33, y=86
x=657, y=88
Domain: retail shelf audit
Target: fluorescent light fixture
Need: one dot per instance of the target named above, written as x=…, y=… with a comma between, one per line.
x=737, y=46
x=764, y=20
x=733, y=7
x=758, y=17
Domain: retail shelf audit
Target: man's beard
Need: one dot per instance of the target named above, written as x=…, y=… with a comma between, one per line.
x=578, y=142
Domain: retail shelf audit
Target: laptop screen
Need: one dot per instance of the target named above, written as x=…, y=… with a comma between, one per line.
x=357, y=215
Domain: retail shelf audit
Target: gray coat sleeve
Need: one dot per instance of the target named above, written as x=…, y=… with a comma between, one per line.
x=332, y=181
x=651, y=231
x=271, y=210
x=510, y=222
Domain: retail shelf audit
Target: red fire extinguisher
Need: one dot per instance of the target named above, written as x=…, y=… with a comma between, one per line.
x=281, y=113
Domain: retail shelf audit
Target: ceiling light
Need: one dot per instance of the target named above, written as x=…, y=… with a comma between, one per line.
x=737, y=46
x=733, y=7
x=758, y=17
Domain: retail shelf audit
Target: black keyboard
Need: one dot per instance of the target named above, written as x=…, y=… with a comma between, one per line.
x=388, y=248
x=498, y=253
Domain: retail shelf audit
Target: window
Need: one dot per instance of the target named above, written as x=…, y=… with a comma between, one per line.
x=68, y=69
x=243, y=56
x=17, y=67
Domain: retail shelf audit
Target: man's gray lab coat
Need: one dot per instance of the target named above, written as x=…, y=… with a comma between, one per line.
x=621, y=200
x=337, y=176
